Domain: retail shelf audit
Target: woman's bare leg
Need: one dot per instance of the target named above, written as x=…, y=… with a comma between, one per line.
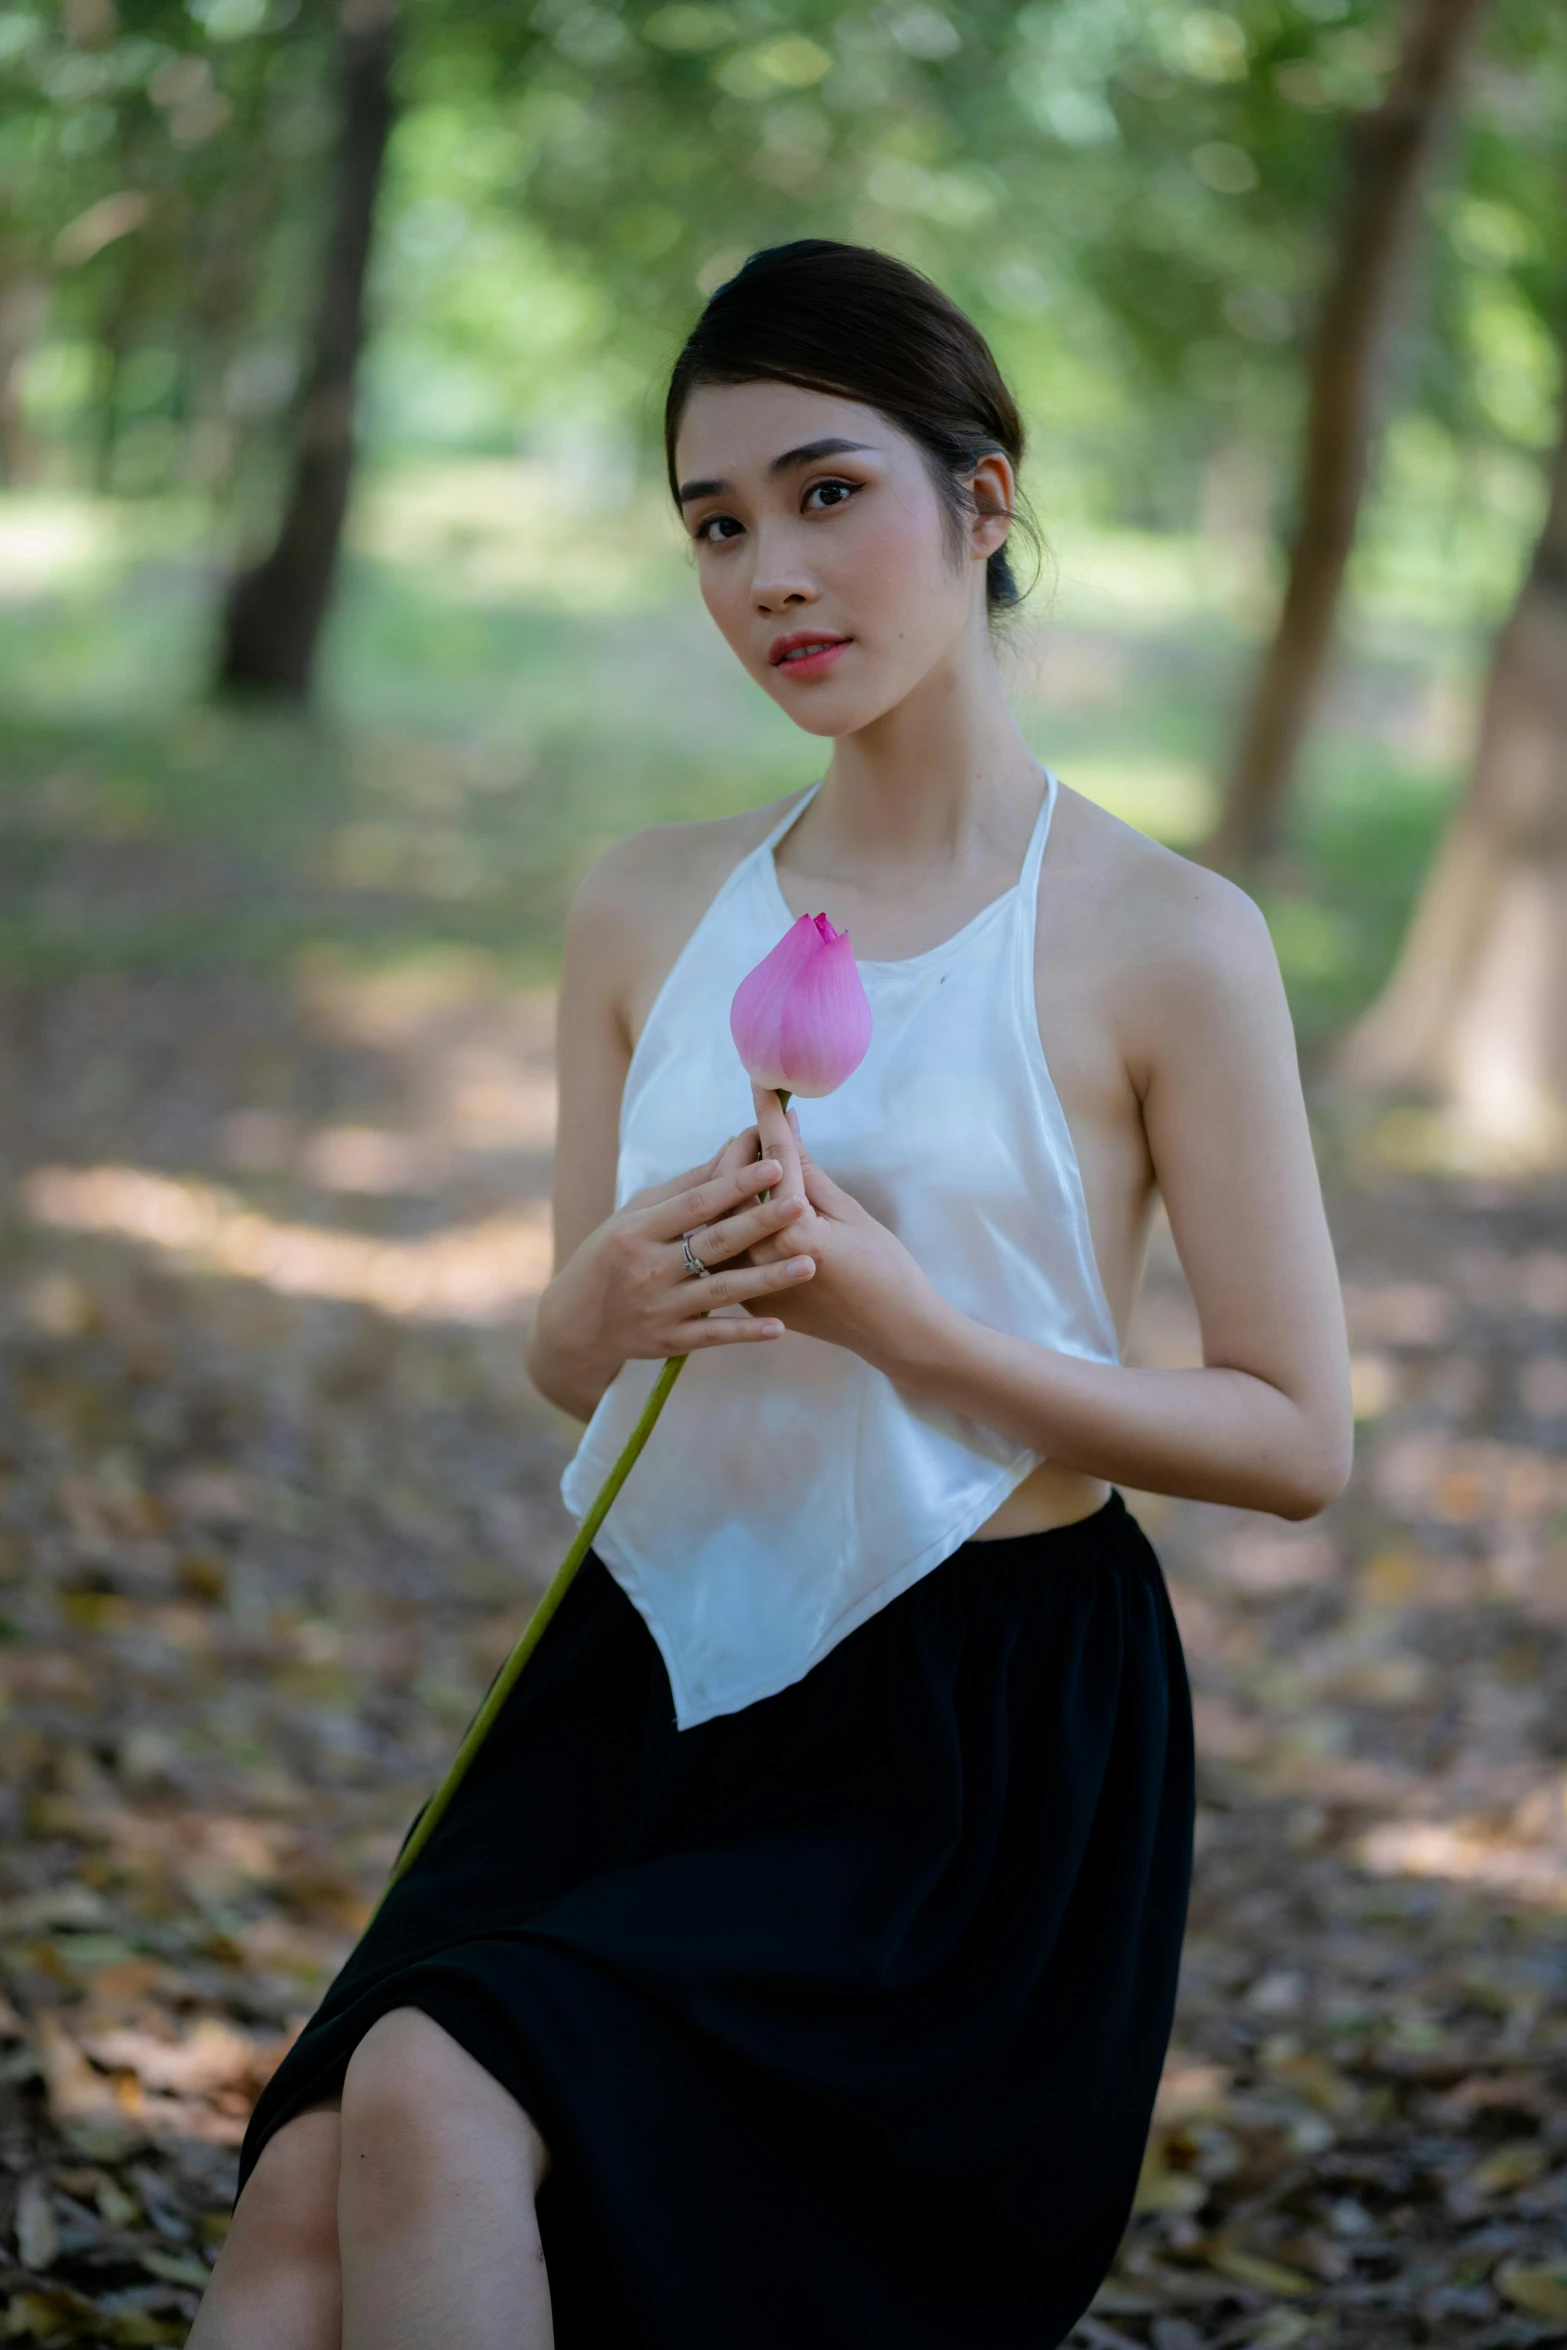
x=277, y=2285
x=440, y=2166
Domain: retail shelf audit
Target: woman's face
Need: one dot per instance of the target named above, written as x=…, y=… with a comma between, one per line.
x=824, y=551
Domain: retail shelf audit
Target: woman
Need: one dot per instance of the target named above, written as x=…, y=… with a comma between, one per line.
x=797, y=1960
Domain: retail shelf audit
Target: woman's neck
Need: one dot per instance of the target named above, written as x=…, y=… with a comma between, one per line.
x=939, y=788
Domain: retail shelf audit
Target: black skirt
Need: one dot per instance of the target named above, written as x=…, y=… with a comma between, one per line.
x=842, y=2016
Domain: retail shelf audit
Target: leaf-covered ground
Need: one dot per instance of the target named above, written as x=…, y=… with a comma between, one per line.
x=1362, y=2135
x=275, y=1498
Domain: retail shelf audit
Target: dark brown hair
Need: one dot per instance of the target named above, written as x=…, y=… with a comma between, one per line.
x=853, y=322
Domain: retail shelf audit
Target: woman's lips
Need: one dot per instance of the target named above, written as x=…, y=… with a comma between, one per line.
x=809, y=656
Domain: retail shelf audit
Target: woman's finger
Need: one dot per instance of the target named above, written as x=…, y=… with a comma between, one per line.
x=778, y=1138
x=739, y=1151
x=715, y=1329
x=700, y=1203
x=825, y=1195
x=653, y=1193
x=748, y=1281
x=689, y=1338
x=731, y=1236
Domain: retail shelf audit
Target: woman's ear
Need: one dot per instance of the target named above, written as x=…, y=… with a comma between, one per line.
x=994, y=489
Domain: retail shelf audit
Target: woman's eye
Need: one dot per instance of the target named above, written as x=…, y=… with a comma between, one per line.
x=716, y=529
x=828, y=494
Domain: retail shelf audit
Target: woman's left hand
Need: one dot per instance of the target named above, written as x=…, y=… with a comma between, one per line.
x=867, y=1293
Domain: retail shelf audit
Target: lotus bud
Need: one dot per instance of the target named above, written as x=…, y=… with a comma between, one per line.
x=800, y=1021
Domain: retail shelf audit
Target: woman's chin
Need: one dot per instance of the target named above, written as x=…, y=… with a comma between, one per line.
x=829, y=711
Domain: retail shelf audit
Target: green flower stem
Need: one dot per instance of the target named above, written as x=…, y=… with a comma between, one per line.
x=533, y=1632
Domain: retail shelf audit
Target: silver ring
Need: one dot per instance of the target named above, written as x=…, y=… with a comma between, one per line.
x=694, y=1263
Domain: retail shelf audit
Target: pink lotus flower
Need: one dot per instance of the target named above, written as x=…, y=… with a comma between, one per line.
x=800, y=1020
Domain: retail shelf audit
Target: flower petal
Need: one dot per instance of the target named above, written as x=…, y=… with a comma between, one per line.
x=756, y=1014
x=801, y=1020
x=825, y=1031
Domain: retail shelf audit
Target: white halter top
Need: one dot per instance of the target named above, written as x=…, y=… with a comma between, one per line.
x=789, y=1490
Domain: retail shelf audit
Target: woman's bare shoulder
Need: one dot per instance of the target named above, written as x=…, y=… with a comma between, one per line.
x=640, y=899
x=1176, y=954
x=1162, y=912
x=666, y=855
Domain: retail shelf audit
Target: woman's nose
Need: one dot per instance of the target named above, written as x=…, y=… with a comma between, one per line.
x=779, y=595
x=779, y=582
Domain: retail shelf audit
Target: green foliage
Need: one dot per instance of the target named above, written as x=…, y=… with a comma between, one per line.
x=159, y=177
x=1136, y=197
x=1491, y=366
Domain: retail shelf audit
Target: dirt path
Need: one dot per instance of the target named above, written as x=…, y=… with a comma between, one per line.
x=275, y=1498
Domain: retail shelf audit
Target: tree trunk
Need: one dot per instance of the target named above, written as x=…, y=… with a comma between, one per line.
x=275, y=611
x=24, y=309
x=114, y=342
x=1475, y=1015
x=1390, y=155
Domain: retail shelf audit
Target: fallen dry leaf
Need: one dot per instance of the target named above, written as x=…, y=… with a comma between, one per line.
x=37, y=2231
x=1162, y=2187
x=213, y=2055
x=77, y=2093
x=1249, y=2268
x=1514, y=2165
x=1542, y=2290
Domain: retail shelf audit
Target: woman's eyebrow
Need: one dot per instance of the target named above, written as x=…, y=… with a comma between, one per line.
x=806, y=454
x=701, y=489
x=811, y=450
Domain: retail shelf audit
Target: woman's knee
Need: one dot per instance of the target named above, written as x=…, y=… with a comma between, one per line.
x=422, y=2119
x=278, y=2277
x=289, y=2205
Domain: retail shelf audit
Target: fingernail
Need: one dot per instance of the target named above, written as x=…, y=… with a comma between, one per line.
x=802, y=1264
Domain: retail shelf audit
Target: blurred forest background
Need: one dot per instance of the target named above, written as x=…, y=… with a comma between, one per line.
x=342, y=623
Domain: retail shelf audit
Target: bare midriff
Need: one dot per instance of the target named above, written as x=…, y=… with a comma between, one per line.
x=1048, y=1496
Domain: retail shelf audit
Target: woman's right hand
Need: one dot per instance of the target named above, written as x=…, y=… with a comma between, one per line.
x=627, y=1292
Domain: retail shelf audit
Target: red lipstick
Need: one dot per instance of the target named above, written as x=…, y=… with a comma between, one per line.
x=807, y=652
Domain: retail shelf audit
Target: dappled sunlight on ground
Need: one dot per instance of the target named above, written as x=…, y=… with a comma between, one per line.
x=477, y=1061
x=481, y=1273
x=1511, y=1865
x=470, y=1068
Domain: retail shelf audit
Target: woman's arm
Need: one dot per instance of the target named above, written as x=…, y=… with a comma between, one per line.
x=1266, y=1422
x=592, y=1055
x=620, y=1287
